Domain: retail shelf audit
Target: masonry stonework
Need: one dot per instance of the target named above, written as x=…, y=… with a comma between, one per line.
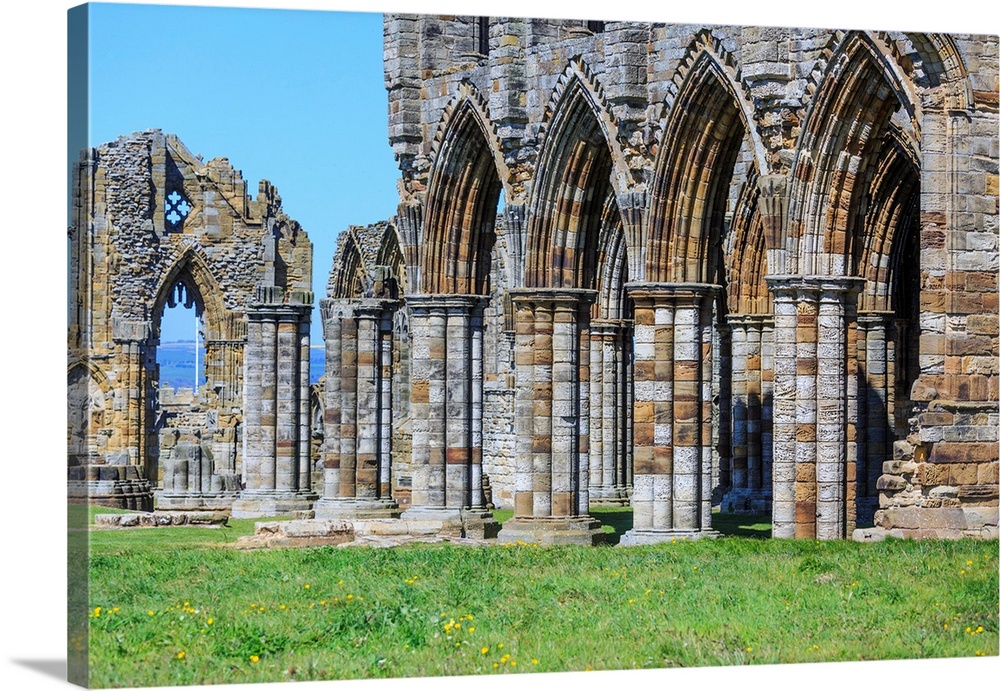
x=670, y=266
x=686, y=266
x=155, y=226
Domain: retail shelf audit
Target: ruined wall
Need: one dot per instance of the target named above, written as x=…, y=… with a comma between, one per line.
x=888, y=252
x=149, y=216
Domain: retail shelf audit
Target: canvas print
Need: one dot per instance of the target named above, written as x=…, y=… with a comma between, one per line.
x=421, y=345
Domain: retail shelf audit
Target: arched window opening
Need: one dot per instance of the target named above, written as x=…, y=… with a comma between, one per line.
x=180, y=355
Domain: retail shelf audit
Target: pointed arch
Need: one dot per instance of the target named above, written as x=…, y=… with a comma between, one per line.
x=466, y=178
x=612, y=263
x=577, y=79
x=391, y=255
x=707, y=46
x=348, y=276
x=891, y=215
x=746, y=254
x=575, y=178
x=931, y=60
x=192, y=270
x=842, y=134
x=705, y=128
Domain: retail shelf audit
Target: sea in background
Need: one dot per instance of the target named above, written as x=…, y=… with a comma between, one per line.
x=177, y=363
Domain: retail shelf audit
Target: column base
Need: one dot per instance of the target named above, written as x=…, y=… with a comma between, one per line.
x=195, y=501
x=347, y=509
x=546, y=530
x=136, y=495
x=477, y=524
x=652, y=536
x=260, y=504
x=748, y=501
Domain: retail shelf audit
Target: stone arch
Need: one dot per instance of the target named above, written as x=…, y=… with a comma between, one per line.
x=704, y=131
x=576, y=174
x=459, y=220
x=612, y=262
x=348, y=277
x=390, y=255
x=578, y=76
x=708, y=46
x=891, y=213
x=87, y=388
x=192, y=270
x=841, y=135
x=746, y=254
x=931, y=60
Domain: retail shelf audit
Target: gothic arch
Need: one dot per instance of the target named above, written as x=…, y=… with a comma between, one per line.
x=891, y=214
x=746, y=255
x=704, y=131
x=348, y=278
x=467, y=176
x=841, y=135
x=612, y=262
x=193, y=272
x=576, y=174
x=931, y=60
x=707, y=46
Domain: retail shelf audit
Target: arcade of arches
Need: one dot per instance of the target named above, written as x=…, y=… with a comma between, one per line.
x=675, y=267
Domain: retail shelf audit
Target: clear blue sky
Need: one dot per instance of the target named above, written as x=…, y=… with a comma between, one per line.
x=293, y=96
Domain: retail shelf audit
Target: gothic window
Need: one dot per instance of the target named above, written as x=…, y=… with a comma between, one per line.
x=176, y=209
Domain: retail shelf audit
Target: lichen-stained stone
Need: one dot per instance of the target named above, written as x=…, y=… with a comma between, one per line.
x=154, y=225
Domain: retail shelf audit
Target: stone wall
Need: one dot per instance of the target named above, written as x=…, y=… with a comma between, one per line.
x=153, y=225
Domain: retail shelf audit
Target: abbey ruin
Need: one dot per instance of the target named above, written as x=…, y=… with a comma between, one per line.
x=672, y=267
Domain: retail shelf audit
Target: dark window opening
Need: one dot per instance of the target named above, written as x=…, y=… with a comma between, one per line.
x=595, y=27
x=483, y=35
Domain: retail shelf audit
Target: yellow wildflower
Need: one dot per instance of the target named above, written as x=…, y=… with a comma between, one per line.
x=254, y=658
x=180, y=655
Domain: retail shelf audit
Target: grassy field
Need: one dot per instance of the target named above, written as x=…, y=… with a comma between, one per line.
x=177, y=606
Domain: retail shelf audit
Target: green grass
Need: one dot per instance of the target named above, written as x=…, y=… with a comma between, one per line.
x=328, y=613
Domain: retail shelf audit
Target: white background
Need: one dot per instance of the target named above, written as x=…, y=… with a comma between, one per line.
x=32, y=330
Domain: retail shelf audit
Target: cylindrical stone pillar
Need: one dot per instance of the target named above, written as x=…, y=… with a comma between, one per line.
x=672, y=412
x=446, y=381
x=276, y=408
x=811, y=405
x=358, y=454
x=552, y=407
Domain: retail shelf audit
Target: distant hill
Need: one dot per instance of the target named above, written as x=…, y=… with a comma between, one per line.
x=177, y=360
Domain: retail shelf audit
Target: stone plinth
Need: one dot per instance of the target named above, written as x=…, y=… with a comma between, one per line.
x=652, y=536
x=446, y=522
x=552, y=530
x=350, y=508
x=263, y=503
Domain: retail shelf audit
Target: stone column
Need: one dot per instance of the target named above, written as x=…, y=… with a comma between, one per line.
x=552, y=416
x=876, y=405
x=125, y=478
x=357, y=409
x=607, y=421
x=672, y=446
x=276, y=406
x=811, y=405
x=446, y=381
x=721, y=395
x=749, y=492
